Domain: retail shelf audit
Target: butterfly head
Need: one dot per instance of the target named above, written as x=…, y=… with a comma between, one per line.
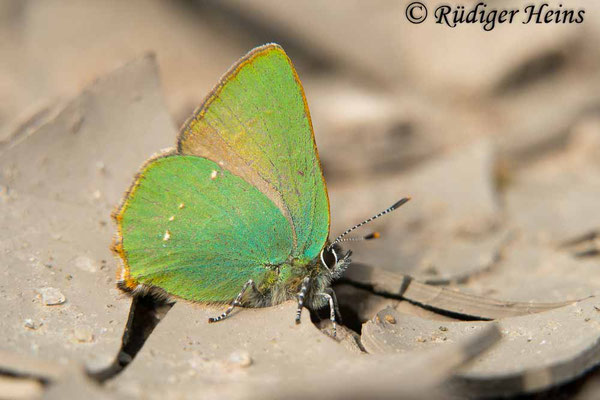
x=334, y=260
x=331, y=255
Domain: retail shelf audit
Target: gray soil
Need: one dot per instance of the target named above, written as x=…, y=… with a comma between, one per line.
x=482, y=286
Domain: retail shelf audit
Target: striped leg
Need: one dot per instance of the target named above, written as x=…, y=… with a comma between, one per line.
x=236, y=302
x=301, y=294
x=332, y=308
x=338, y=315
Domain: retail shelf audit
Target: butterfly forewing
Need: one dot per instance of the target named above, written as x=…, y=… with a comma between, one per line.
x=256, y=124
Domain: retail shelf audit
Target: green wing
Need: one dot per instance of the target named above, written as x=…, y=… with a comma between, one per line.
x=256, y=124
x=197, y=231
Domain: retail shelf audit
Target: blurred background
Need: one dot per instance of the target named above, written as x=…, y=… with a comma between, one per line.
x=495, y=134
x=386, y=96
x=385, y=93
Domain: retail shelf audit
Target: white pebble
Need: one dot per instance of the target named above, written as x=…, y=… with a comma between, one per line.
x=85, y=263
x=83, y=334
x=51, y=296
x=240, y=359
x=31, y=324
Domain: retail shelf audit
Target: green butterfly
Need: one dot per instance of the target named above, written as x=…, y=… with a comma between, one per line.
x=239, y=211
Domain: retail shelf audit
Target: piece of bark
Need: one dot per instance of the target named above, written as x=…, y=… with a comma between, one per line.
x=408, y=376
x=537, y=351
x=186, y=355
x=440, y=299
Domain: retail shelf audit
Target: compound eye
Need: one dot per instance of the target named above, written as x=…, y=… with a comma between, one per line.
x=329, y=258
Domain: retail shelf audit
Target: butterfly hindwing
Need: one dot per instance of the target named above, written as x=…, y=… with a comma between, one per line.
x=199, y=232
x=256, y=124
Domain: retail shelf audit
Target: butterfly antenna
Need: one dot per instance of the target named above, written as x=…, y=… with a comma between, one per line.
x=373, y=235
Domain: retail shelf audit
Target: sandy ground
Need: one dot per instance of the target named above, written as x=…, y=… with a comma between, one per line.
x=495, y=135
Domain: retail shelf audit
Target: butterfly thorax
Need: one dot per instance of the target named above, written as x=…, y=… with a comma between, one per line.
x=283, y=282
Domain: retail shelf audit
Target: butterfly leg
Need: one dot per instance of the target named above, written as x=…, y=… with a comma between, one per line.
x=338, y=315
x=332, y=310
x=235, y=302
x=301, y=295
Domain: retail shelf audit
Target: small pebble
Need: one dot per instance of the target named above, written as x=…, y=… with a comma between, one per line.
x=31, y=324
x=390, y=319
x=51, y=296
x=443, y=329
x=85, y=263
x=83, y=334
x=240, y=359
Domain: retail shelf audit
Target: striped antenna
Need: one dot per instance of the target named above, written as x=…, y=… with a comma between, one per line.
x=374, y=217
x=372, y=235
